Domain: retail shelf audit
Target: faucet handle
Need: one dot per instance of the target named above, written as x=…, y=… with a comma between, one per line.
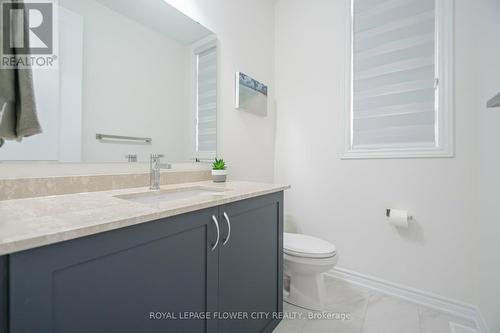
x=156, y=156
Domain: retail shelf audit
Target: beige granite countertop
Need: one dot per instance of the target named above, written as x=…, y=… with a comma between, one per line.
x=33, y=222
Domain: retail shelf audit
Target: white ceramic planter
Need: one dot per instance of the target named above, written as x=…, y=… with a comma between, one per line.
x=219, y=176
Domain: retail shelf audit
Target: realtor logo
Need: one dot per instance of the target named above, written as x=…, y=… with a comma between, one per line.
x=29, y=36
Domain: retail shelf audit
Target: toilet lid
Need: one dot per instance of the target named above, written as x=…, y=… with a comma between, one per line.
x=307, y=246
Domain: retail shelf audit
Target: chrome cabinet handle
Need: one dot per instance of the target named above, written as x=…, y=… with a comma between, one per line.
x=229, y=229
x=218, y=232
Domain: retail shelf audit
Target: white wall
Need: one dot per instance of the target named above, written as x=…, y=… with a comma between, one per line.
x=344, y=201
x=489, y=268
x=245, y=32
x=133, y=85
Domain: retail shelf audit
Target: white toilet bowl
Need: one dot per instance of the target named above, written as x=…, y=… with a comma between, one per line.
x=306, y=258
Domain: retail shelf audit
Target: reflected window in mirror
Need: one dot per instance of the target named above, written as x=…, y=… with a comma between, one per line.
x=206, y=100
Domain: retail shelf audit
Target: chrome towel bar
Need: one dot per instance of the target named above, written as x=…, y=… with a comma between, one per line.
x=100, y=136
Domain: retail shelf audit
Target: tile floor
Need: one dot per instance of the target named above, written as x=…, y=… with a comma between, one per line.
x=370, y=312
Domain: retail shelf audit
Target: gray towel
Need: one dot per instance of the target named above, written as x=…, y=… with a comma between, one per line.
x=18, y=117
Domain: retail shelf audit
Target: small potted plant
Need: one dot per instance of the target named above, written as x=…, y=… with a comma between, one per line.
x=219, y=172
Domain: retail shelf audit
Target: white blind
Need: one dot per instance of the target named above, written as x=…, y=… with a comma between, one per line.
x=393, y=73
x=206, y=113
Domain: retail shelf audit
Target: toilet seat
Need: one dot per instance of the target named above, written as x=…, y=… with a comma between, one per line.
x=305, y=246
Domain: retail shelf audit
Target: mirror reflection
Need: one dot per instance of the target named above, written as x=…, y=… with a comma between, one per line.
x=135, y=77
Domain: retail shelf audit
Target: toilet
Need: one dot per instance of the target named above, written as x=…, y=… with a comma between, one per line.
x=306, y=258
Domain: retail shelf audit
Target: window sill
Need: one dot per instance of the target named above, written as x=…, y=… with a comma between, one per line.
x=396, y=153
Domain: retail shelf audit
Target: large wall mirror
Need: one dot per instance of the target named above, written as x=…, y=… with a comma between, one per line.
x=135, y=77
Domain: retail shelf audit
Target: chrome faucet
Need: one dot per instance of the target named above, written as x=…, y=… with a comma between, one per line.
x=154, y=171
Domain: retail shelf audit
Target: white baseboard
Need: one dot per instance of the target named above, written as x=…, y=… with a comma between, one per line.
x=456, y=308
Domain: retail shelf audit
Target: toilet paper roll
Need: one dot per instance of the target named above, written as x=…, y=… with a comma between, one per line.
x=398, y=218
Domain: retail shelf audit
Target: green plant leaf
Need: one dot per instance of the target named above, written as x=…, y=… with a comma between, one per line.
x=219, y=164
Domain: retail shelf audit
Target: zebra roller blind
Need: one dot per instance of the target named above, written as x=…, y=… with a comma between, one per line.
x=394, y=81
x=206, y=111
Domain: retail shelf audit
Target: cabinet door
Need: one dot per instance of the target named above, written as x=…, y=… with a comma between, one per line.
x=250, y=264
x=119, y=281
x=3, y=294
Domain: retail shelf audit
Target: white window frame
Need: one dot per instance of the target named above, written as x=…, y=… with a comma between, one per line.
x=444, y=147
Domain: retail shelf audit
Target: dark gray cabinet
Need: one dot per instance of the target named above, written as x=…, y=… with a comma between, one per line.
x=250, y=266
x=139, y=278
x=4, y=292
x=111, y=282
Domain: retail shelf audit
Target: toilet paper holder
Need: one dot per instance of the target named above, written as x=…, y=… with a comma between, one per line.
x=398, y=218
x=388, y=214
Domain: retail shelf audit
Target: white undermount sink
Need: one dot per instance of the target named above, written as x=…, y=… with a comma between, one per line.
x=173, y=194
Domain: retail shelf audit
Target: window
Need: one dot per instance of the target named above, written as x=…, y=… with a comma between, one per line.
x=206, y=101
x=400, y=97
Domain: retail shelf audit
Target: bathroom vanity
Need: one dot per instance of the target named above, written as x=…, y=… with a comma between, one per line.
x=85, y=247
x=211, y=258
